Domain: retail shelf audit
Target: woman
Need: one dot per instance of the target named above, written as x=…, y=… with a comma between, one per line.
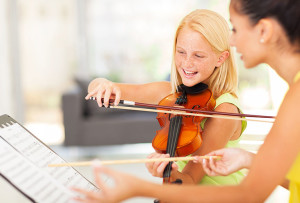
x=263, y=32
x=201, y=53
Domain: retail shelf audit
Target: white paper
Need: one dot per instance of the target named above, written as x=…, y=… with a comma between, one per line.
x=24, y=161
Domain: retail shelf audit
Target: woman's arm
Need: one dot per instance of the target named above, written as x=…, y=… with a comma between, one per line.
x=147, y=93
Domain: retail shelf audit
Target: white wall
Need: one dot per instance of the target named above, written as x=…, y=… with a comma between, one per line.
x=5, y=73
x=10, y=78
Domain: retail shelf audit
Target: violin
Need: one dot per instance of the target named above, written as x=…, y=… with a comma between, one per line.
x=187, y=127
x=180, y=135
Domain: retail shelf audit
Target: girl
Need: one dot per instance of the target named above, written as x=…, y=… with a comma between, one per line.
x=201, y=54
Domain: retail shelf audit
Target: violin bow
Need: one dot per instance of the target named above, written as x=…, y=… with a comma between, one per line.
x=132, y=161
x=185, y=111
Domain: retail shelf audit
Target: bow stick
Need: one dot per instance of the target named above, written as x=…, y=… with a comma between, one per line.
x=184, y=111
x=132, y=161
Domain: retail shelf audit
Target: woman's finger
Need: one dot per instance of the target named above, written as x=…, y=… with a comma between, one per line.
x=206, y=167
x=98, y=179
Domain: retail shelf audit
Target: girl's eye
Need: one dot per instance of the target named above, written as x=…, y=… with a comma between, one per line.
x=181, y=52
x=233, y=30
x=198, y=56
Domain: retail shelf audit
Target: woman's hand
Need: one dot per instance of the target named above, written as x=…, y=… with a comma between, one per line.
x=124, y=186
x=103, y=88
x=233, y=159
x=157, y=168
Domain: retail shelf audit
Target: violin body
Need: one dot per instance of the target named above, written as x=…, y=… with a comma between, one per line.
x=189, y=138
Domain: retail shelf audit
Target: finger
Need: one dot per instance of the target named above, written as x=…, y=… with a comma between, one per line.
x=83, y=192
x=98, y=179
x=156, y=165
x=197, y=159
x=161, y=165
x=149, y=165
x=99, y=97
x=107, y=95
x=216, y=167
x=174, y=167
x=160, y=156
x=160, y=169
x=90, y=94
x=207, y=168
x=117, y=93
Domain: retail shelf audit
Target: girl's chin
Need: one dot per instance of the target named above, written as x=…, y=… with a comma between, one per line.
x=189, y=84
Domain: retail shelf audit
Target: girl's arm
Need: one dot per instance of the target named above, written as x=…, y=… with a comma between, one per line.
x=216, y=134
x=146, y=93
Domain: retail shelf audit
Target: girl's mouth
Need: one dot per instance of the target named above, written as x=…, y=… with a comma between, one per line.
x=189, y=73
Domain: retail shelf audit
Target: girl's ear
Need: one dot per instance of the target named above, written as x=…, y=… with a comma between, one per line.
x=223, y=56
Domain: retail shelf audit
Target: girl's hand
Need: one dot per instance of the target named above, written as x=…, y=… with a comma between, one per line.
x=157, y=168
x=233, y=159
x=103, y=88
x=124, y=187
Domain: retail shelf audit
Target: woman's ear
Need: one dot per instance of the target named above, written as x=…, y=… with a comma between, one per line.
x=265, y=30
x=223, y=56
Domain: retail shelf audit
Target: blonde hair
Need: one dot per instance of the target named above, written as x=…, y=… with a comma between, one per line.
x=215, y=30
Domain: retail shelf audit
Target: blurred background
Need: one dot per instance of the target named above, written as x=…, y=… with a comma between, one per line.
x=47, y=45
x=50, y=50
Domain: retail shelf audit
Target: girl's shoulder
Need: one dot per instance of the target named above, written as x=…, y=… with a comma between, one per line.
x=227, y=98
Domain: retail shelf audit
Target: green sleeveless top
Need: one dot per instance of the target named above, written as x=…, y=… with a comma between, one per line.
x=234, y=178
x=294, y=173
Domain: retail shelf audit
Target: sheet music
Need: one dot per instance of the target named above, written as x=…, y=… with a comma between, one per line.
x=24, y=161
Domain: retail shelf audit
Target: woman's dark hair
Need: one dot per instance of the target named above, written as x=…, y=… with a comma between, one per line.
x=286, y=12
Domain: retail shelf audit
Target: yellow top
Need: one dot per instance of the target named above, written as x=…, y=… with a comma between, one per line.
x=294, y=173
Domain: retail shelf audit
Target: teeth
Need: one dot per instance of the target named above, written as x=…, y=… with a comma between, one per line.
x=188, y=72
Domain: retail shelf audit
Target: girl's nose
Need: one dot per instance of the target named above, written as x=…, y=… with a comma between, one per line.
x=188, y=63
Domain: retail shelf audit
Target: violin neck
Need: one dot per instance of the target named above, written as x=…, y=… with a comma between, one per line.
x=174, y=130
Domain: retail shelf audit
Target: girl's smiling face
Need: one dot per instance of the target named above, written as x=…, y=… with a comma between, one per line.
x=194, y=58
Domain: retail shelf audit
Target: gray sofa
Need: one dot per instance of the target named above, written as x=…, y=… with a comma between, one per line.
x=88, y=125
